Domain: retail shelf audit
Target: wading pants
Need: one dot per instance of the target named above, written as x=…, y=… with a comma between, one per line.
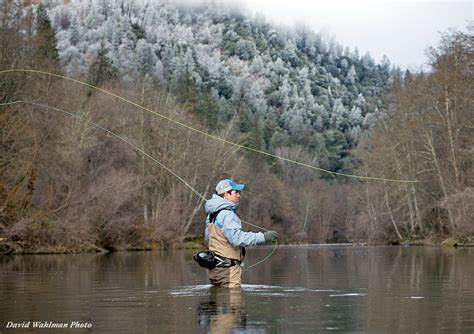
x=226, y=277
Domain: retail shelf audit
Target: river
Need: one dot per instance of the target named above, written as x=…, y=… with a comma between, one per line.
x=300, y=289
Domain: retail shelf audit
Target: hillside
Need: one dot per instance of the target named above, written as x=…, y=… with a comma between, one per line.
x=300, y=88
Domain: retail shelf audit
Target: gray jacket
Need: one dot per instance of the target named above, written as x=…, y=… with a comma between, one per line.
x=229, y=223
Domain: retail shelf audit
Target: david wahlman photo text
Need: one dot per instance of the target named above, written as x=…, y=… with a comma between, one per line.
x=48, y=324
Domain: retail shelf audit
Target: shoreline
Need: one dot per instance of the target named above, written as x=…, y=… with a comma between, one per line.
x=8, y=248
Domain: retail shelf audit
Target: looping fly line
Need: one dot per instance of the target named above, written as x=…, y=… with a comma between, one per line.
x=112, y=133
x=205, y=133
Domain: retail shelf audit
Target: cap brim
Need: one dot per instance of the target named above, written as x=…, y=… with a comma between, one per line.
x=235, y=186
x=238, y=186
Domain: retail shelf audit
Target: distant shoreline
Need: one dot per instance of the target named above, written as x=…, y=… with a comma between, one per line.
x=6, y=247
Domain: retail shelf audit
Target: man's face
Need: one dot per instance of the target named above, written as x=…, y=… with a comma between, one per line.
x=233, y=196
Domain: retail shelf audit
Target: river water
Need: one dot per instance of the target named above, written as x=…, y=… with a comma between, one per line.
x=300, y=289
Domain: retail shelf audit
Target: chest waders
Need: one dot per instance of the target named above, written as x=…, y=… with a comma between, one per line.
x=211, y=259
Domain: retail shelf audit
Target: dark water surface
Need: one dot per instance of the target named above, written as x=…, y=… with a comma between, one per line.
x=303, y=289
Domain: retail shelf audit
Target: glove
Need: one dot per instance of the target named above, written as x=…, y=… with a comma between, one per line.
x=270, y=236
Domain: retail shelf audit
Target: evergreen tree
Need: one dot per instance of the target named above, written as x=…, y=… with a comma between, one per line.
x=47, y=41
x=102, y=70
x=146, y=58
x=208, y=110
x=351, y=76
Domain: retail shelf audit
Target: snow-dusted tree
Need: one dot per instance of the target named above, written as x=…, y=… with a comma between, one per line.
x=184, y=79
x=245, y=49
x=351, y=77
x=367, y=61
x=102, y=69
x=145, y=57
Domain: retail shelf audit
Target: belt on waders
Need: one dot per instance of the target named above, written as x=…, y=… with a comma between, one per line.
x=210, y=260
x=224, y=262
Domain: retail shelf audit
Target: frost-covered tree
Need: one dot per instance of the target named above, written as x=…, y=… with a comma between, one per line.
x=245, y=49
x=102, y=69
x=351, y=75
x=145, y=57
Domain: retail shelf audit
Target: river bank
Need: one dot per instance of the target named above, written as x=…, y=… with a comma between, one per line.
x=19, y=248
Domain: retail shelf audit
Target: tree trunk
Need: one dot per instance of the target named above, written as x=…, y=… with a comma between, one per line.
x=440, y=175
x=370, y=212
x=417, y=210
x=452, y=144
x=142, y=160
x=391, y=215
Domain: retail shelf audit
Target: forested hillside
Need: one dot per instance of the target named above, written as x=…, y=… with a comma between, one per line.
x=83, y=169
x=297, y=86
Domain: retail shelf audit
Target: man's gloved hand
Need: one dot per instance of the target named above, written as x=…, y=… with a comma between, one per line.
x=270, y=236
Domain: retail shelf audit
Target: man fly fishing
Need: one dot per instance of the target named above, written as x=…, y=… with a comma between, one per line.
x=225, y=236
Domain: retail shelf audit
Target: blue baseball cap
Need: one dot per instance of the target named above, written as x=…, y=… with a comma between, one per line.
x=227, y=185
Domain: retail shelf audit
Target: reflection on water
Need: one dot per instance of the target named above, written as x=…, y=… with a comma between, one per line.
x=222, y=310
x=300, y=289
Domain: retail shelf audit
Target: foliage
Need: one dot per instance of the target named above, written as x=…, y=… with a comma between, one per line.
x=426, y=135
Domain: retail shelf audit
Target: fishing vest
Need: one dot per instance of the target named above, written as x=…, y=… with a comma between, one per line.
x=219, y=244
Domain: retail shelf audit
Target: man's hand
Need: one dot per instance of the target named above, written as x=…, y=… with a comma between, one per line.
x=270, y=236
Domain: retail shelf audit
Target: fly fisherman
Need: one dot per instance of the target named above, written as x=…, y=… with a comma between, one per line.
x=225, y=236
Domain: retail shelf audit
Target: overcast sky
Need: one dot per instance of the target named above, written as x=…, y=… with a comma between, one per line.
x=400, y=29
